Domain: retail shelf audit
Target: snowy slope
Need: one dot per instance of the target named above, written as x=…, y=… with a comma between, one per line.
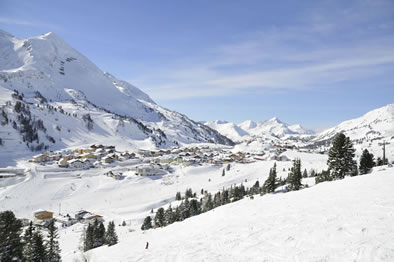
x=130, y=199
x=348, y=220
x=50, y=73
x=368, y=131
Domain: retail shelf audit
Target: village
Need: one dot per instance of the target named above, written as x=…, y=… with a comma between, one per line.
x=150, y=162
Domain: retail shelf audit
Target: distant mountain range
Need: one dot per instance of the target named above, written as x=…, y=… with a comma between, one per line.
x=249, y=129
x=368, y=131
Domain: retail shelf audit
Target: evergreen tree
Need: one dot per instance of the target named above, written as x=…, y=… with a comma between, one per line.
x=39, y=252
x=52, y=244
x=255, y=189
x=169, y=216
x=89, y=238
x=366, y=162
x=11, y=247
x=305, y=173
x=340, y=157
x=147, y=223
x=295, y=176
x=271, y=183
x=159, y=218
x=194, y=207
x=178, y=196
x=184, y=208
x=111, y=238
x=28, y=242
x=312, y=173
x=99, y=234
x=323, y=176
x=188, y=193
x=207, y=202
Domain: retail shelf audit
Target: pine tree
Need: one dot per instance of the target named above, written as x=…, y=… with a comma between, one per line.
x=194, y=207
x=366, y=162
x=178, y=196
x=295, y=176
x=159, y=218
x=39, y=252
x=305, y=173
x=271, y=183
x=323, y=176
x=184, y=208
x=11, y=247
x=147, y=223
x=111, y=238
x=99, y=234
x=169, y=216
x=188, y=193
x=340, y=157
x=89, y=238
x=52, y=244
x=28, y=242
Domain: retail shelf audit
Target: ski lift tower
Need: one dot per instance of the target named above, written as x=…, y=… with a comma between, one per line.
x=384, y=151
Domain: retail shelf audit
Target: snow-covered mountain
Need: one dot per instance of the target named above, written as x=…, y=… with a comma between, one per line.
x=273, y=127
x=228, y=129
x=375, y=124
x=56, y=84
x=251, y=130
x=368, y=131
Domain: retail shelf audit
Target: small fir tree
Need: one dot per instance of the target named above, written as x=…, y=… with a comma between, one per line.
x=305, y=174
x=52, y=244
x=89, y=238
x=323, y=176
x=111, y=238
x=99, y=234
x=271, y=183
x=295, y=176
x=178, y=196
x=159, y=218
x=39, y=253
x=147, y=223
x=366, y=162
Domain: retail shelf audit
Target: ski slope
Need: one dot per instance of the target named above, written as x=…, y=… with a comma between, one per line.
x=348, y=220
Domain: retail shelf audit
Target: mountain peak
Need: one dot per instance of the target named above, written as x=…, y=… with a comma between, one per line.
x=275, y=119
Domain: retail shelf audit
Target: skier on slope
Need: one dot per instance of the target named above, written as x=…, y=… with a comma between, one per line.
x=147, y=245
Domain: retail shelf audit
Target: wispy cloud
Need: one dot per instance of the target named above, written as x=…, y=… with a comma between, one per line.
x=21, y=22
x=320, y=51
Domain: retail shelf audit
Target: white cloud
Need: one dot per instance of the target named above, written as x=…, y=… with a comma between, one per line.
x=13, y=21
x=327, y=47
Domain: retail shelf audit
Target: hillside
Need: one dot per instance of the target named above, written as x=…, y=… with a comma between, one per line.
x=368, y=131
x=57, y=85
x=348, y=220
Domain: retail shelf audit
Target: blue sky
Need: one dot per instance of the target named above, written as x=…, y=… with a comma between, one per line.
x=311, y=62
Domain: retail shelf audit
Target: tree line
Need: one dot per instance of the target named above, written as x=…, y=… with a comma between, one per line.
x=29, y=246
x=96, y=235
x=191, y=206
